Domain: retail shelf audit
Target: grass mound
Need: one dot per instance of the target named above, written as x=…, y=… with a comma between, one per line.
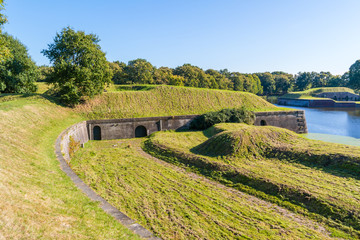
x=169, y=101
x=311, y=93
x=246, y=141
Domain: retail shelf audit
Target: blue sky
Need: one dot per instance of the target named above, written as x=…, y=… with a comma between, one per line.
x=241, y=35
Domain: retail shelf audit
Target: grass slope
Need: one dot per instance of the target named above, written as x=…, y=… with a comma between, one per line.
x=319, y=177
x=169, y=101
x=179, y=205
x=310, y=93
x=37, y=200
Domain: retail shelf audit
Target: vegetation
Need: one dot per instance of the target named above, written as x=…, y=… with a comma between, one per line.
x=4, y=50
x=140, y=71
x=37, y=200
x=179, y=205
x=18, y=73
x=354, y=75
x=169, y=101
x=311, y=93
x=236, y=115
x=80, y=68
x=314, y=178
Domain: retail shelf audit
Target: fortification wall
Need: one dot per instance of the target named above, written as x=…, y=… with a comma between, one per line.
x=292, y=120
x=316, y=103
x=77, y=132
x=127, y=128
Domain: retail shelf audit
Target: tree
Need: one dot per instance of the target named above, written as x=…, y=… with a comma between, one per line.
x=18, y=73
x=80, y=67
x=4, y=50
x=119, y=72
x=354, y=75
x=303, y=81
x=140, y=71
x=268, y=82
x=194, y=76
x=221, y=80
x=44, y=73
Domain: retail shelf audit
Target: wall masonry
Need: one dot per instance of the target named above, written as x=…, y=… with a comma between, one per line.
x=125, y=128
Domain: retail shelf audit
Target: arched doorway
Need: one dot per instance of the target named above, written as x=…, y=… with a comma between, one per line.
x=140, y=131
x=97, y=133
x=263, y=123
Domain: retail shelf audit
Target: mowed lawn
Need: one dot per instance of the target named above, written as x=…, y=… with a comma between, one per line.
x=176, y=204
x=335, y=195
x=37, y=200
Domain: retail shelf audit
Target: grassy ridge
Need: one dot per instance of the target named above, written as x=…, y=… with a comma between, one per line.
x=256, y=157
x=37, y=200
x=168, y=101
x=178, y=205
x=310, y=93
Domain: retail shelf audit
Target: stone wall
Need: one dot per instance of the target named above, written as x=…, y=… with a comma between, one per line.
x=316, y=103
x=339, y=96
x=126, y=128
x=77, y=132
x=292, y=120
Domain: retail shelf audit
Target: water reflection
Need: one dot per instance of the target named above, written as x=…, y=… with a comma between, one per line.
x=333, y=121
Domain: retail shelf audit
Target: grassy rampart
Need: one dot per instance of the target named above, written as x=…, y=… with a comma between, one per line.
x=311, y=93
x=168, y=101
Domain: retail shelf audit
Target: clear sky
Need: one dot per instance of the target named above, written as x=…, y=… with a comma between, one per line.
x=241, y=35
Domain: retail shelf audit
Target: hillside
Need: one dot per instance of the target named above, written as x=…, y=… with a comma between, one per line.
x=275, y=164
x=310, y=93
x=37, y=200
x=168, y=101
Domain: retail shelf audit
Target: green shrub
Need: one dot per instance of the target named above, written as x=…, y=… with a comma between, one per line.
x=234, y=115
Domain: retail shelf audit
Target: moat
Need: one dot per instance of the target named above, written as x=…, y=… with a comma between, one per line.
x=341, y=125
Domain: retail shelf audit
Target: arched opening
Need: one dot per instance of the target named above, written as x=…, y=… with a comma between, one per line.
x=263, y=123
x=97, y=133
x=140, y=131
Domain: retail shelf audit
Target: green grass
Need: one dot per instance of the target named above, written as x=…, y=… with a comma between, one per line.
x=169, y=101
x=37, y=200
x=318, y=177
x=176, y=204
x=310, y=93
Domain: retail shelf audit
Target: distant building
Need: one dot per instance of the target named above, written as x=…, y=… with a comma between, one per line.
x=339, y=96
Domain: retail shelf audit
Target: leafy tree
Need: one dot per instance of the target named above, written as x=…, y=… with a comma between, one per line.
x=303, y=81
x=238, y=81
x=194, y=76
x=268, y=82
x=119, y=72
x=354, y=75
x=164, y=75
x=4, y=50
x=44, y=73
x=80, y=67
x=221, y=81
x=140, y=71
x=18, y=73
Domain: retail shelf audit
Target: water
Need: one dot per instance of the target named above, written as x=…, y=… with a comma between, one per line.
x=339, y=125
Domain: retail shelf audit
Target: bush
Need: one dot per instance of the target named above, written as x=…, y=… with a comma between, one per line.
x=234, y=115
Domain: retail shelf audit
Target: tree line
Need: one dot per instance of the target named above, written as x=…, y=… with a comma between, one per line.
x=80, y=70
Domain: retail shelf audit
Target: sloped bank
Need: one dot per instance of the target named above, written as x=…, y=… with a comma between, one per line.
x=67, y=142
